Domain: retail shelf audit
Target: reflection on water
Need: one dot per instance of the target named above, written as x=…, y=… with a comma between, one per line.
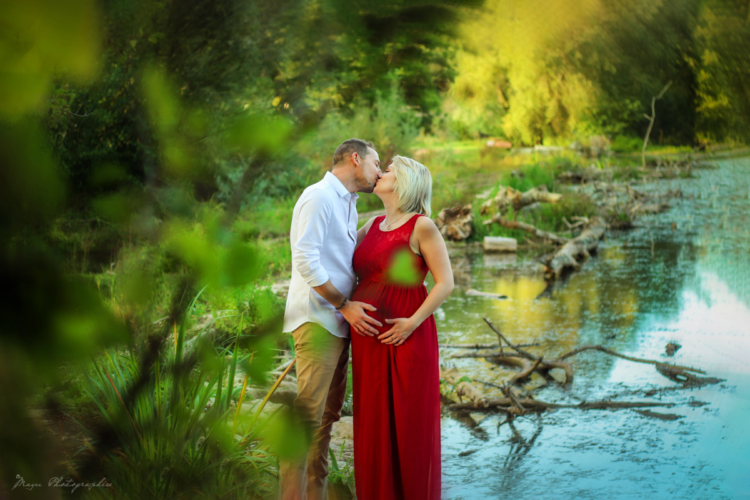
x=688, y=283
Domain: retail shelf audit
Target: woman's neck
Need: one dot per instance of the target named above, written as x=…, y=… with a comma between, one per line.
x=392, y=213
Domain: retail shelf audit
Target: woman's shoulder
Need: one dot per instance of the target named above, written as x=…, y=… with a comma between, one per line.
x=424, y=225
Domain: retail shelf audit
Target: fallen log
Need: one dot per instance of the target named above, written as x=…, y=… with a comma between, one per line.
x=456, y=223
x=580, y=246
x=510, y=197
x=512, y=224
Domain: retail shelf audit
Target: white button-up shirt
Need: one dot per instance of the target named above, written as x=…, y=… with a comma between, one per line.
x=323, y=237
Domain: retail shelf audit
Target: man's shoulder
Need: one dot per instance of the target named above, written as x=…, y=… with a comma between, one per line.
x=319, y=191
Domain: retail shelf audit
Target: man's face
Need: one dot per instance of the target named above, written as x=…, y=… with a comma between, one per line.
x=368, y=172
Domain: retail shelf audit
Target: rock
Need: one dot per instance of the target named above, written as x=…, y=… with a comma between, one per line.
x=500, y=244
x=342, y=434
x=672, y=348
x=281, y=288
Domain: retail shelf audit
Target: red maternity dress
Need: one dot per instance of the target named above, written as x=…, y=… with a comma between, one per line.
x=396, y=390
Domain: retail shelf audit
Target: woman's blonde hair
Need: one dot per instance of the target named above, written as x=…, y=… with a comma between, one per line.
x=413, y=185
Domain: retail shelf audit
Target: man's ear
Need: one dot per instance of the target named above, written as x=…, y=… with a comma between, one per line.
x=355, y=158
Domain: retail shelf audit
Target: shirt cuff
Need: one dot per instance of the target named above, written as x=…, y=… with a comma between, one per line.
x=317, y=278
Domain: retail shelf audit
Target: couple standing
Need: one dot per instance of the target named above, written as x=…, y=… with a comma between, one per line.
x=367, y=287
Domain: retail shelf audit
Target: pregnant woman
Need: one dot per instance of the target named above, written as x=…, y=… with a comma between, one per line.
x=396, y=380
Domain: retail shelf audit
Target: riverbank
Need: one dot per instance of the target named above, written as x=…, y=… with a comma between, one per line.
x=678, y=277
x=457, y=178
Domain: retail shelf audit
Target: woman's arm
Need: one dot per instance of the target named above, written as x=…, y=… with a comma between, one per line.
x=362, y=232
x=433, y=250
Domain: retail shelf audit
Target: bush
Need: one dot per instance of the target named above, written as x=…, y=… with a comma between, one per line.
x=624, y=144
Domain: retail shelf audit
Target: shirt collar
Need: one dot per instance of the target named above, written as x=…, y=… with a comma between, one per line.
x=338, y=186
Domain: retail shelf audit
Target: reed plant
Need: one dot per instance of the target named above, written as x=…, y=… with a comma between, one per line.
x=178, y=428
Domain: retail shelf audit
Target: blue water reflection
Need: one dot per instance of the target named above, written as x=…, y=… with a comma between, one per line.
x=687, y=282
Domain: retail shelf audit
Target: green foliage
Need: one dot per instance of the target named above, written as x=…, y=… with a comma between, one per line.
x=341, y=475
x=592, y=67
x=388, y=122
x=723, y=37
x=530, y=177
x=624, y=144
x=545, y=216
x=168, y=444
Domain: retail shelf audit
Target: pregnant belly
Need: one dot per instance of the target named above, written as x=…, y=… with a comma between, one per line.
x=391, y=301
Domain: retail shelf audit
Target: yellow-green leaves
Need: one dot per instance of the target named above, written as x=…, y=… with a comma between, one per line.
x=287, y=435
x=30, y=184
x=39, y=38
x=213, y=253
x=255, y=133
x=179, y=128
x=403, y=268
x=264, y=347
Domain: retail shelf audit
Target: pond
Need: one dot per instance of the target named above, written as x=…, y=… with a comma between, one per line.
x=681, y=276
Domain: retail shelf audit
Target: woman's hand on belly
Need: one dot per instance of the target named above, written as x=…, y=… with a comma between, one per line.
x=400, y=331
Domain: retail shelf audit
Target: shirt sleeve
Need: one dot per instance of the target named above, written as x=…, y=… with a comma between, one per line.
x=312, y=228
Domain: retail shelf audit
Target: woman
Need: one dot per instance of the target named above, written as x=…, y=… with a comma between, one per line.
x=396, y=380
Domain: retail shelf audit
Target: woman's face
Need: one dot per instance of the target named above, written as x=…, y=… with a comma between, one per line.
x=387, y=182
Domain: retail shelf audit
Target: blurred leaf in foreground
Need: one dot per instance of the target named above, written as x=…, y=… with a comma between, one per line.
x=38, y=38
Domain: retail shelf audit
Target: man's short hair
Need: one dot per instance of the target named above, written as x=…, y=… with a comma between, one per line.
x=350, y=146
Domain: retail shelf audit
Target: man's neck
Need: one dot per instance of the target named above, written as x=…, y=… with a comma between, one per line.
x=346, y=178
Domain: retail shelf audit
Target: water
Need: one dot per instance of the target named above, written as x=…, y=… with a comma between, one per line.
x=682, y=276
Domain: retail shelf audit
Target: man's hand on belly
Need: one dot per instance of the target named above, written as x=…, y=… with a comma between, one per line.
x=354, y=313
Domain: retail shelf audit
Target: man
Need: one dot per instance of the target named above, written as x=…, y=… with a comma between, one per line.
x=318, y=312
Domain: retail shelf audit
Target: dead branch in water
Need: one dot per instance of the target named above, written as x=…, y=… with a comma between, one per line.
x=502, y=338
x=629, y=358
x=479, y=346
x=507, y=404
x=681, y=376
x=529, y=363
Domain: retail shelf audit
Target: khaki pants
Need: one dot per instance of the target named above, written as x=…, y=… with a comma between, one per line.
x=322, y=365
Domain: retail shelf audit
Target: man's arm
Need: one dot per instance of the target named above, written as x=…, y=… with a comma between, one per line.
x=353, y=311
x=362, y=232
x=312, y=228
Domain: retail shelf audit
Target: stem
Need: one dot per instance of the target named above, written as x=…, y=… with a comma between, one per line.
x=270, y=393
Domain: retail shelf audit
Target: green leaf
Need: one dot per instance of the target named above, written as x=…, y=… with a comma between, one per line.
x=240, y=264
x=403, y=268
x=257, y=134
